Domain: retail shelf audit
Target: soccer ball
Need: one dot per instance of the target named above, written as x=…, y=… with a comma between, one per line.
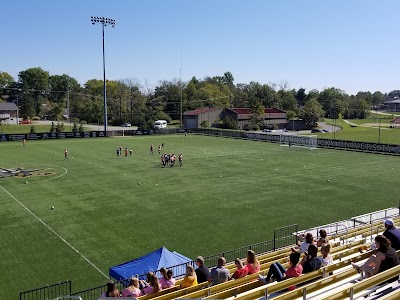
x=329, y=180
x=139, y=183
x=52, y=207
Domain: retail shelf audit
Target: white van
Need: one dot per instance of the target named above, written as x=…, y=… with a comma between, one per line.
x=160, y=124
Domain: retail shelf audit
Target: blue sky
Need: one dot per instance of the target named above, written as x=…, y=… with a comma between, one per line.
x=352, y=45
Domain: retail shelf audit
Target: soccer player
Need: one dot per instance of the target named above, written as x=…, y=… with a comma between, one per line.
x=151, y=149
x=65, y=154
x=163, y=160
x=173, y=157
x=23, y=142
x=126, y=152
x=159, y=149
x=180, y=158
x=118, y=152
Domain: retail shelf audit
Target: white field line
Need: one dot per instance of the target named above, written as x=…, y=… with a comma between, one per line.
x=59, y=236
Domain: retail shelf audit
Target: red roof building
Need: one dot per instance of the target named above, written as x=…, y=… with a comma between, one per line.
x=273, y=117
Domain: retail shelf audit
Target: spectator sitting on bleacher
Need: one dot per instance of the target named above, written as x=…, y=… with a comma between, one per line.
x=392, y=234
x=142, y=283
x=384, y=259
x=167, y=279
x=322, y=238
x=190, y=278
x=219, y=274
x=132, y=290
x=240, y=270
x=326, y=255
x=309, y=240
x=253, y=265
x=277, y=270
x=112, y=291
x=310, y=260
x=153, y=287
x=202, y=271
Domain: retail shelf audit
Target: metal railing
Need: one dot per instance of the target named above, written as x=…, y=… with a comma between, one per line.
x=48, y=292
x=280, y=240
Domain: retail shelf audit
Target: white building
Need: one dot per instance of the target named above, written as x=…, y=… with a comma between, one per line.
x=8, y=113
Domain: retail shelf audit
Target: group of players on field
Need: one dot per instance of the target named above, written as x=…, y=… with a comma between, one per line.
x=166, y=159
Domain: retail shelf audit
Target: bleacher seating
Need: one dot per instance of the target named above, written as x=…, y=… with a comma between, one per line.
x=333, y=282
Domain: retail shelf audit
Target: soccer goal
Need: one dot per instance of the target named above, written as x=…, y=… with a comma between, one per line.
x=301, y=141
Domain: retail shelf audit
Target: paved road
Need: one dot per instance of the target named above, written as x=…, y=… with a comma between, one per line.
x=383, y=113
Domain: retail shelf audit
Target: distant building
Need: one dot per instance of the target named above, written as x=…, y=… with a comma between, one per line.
x=272, y=117
x=8, y=113
x=393, y=105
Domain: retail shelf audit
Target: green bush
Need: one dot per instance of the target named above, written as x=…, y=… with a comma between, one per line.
x=33, y=130
x=229, y=123
x=205, y=124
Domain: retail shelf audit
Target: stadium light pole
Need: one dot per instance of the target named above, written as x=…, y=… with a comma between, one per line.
x=104, y=22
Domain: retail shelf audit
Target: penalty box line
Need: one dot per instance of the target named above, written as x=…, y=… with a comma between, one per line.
x=52, y=230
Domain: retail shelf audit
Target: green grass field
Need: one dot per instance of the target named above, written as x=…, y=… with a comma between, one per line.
x=228, y=194
x=363, y=134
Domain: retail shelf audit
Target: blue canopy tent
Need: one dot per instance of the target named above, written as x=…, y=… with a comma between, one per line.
x=149, y=262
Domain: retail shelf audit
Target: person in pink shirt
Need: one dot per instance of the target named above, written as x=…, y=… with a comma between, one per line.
x=133, y=289
x=166, y=280
x=253, y=265
x=279, y=273
x=153, y=287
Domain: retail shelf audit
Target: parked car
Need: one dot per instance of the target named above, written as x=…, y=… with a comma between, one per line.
x=126, y=125
x=25, y=122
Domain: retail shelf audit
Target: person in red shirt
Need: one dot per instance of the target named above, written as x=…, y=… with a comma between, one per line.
x=279, y=273
x=253, y=265
x=241, y=271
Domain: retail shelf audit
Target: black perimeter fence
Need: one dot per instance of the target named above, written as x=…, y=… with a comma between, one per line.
x=256, y=136
x=282, y=237
x=48, y=292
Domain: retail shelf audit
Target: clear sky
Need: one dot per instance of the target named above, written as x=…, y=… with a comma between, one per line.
x=350, y=44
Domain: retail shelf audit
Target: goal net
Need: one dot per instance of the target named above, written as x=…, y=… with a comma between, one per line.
x=302, y=141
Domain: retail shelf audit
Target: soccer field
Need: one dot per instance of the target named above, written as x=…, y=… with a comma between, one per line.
x=229, y=193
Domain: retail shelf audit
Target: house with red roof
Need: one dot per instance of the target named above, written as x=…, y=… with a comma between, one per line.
x=272, y=117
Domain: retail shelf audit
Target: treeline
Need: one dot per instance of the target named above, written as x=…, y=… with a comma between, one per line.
x=39, y=94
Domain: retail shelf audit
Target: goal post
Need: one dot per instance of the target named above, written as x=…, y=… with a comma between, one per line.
x=301, y=141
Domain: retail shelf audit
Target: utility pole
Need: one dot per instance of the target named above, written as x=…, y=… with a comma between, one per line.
x=180, y=85
x=68, y=112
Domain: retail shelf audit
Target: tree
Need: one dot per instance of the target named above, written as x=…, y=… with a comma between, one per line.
x=205, y=124
x=6, y=81
x=75, y=127
x=312, y=112
x=229, y=123
x=377, y=98
x=52, y=128
x=290, y=114
x=394, y=94
x=334, y=101
x=32, y=130
x=301, y=96
x=34, y=83
x=258, y=111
